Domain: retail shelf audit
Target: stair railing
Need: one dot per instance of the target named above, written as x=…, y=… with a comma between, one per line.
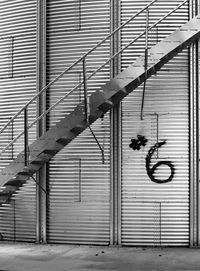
x=83, y=82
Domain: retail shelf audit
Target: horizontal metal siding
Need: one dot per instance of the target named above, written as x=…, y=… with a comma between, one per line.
x=79, y=184
x=134, y=28
x=152, y=213
x=17, y=87
x=18, y=217
x=79, y=190
x=74, y=27
x=17, y=69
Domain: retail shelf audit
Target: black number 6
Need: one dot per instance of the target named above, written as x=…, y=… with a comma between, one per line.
x=151, y=171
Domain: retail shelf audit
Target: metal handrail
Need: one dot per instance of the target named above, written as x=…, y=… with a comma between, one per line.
x=75, y=63
x=92, y=74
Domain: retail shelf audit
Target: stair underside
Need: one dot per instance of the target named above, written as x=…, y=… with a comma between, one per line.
x=42, y=150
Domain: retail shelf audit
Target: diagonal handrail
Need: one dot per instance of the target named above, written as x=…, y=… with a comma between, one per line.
x=92, y=74
x=75, y=63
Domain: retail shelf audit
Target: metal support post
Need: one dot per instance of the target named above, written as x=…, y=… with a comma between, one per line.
x=41, y=176
x=85, y=89
x=14, y=221
x=194, y=150
x=146, y=37
x=12, y=137
x=145, y=60
x=194, y=137
x=115, y=163
x=26, y=155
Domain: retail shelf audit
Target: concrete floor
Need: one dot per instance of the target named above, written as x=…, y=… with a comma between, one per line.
x=29, y=257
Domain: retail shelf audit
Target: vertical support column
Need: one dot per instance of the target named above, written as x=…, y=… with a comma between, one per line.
x=41, y=125
x=85, y=89
x=26, y=137
x=194, y=136
x=115, y=211
x=198, y=121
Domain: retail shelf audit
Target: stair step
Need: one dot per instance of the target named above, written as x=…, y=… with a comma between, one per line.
x=92, y=118
x=17, y=182
x=22, y=177
x=50, y=152
x=106, y=105
x=116, y=98
x=78, y=129
x=8, y=189
x=24, y=173
x=47, y=154
x=63, y=141
x=6, y=194
x=38, y=162
x=4, y=198
x=33, y=167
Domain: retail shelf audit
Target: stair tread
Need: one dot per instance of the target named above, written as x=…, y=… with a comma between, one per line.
x=48, y=152
x=63, y=141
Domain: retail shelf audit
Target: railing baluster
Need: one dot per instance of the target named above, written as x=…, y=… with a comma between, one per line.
x=147, y=34
x=157, y=34
x=26, y=136
x=12, y=137
x=85, y=89
x=145, y=60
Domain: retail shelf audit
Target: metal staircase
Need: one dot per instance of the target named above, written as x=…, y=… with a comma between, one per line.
x=29, y=161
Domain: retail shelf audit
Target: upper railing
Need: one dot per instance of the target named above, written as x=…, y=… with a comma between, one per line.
x=9, y=128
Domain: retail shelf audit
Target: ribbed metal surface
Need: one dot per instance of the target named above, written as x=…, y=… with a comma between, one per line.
x=156, y=11
x=17, y=86
x=154, y=213
x=17, y=68
x=79, y=184
x=18, y=218
x=74, y=27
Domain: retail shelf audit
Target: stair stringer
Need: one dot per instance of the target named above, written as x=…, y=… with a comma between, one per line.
x=43, y=149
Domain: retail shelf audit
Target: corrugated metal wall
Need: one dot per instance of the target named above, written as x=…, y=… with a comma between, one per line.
x=17, y=86
x=79, y=184
x=156, y=213
x=17, y=219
